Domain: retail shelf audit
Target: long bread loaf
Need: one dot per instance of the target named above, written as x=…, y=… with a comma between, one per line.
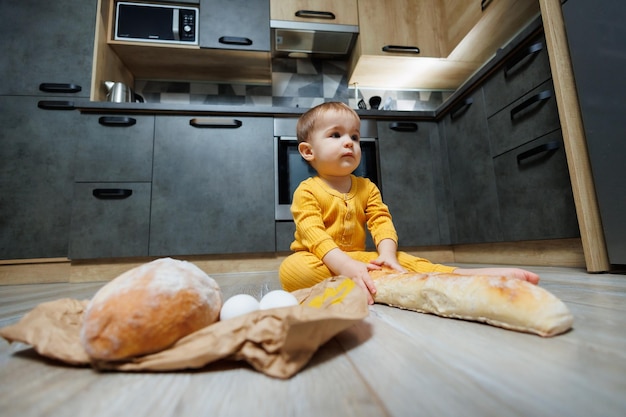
x=499, y=301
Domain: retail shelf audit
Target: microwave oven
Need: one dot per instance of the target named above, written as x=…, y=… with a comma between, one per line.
x=146, y=22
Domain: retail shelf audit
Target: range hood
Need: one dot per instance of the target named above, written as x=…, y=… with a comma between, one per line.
x=315, y=40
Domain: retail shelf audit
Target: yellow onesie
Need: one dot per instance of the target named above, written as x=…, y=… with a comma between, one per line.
x=326, y=219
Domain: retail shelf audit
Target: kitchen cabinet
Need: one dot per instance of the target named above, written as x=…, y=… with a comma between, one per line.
x=235, y=24
x=431, y=44
x=399, y=28
x=212, y=186
x=595, y=36
x=523, y=71
x=534, y=191
x=36, y=176
x=474, y=215
x=45, y=68
x=409, y=177
x=234, y=48
x=41, y=47
x=112, y=189
x=315, y=11
x=110, y=220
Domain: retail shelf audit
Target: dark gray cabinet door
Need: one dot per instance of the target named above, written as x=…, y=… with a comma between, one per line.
x=235, y=24
x=534, y=191
x=212, y=186
x=474, y=201
x=519, y=73
x=407, y=168
x=531, y=116
x=36, y=177
x=115, y=148
x=110, y=220
x=596, y=33
x=46, y=42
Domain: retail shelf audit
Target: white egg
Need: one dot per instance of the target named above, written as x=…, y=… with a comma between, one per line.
x=238, y=305
x=278, y=298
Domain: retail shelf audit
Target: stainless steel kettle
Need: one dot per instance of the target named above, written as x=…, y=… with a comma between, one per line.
x=120, y=93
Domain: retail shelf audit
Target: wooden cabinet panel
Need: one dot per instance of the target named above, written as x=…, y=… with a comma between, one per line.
x=399, y=24
x=344, y=12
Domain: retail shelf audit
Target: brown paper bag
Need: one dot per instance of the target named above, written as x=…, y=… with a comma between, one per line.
x=278, y=342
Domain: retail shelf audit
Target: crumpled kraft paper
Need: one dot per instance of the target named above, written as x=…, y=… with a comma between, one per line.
x=278, y=342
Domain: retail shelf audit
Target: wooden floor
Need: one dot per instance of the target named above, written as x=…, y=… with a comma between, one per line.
x=394, y=363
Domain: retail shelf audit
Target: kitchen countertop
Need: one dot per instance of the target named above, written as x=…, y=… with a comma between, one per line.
x=393, y=363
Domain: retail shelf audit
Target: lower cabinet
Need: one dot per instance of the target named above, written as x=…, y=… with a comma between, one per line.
x=36, y=176
x=408, y=168
x=212, y=186
x=473, y=207
x=534, y=191
x=113, y=174
x=110, y=220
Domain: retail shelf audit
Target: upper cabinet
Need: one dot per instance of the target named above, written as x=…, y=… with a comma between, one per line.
x=315, y=11
x=39, y=47
x=431, y=44
x=399, y=28
x=234, y=46
x=235, y=24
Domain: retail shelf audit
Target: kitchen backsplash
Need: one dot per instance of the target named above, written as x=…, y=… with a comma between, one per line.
x=295, y=83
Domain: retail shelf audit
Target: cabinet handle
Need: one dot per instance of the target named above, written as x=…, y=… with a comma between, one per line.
x=542, y=96
x=59, y=88
x=484, y=4
x=216, y=123
x=550, y=147
x=461, y=108
x=112, y=193
x=235, y=40
x=513, y=62
x=403, y=126
x=401, y=49
x=117, y=121
x=314, y=14
x=56, y=105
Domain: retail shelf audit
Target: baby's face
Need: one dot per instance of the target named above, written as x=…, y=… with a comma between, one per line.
x=335, y=144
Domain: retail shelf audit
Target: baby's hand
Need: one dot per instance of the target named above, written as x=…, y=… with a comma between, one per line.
x=358, y=272
x=387, y=261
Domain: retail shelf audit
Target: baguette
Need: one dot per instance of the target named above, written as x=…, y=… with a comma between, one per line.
x=499, y=301
x=148, y=308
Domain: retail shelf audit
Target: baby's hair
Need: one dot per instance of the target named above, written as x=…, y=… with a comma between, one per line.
x=306, y=123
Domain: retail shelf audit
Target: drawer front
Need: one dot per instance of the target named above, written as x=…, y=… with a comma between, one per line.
x=524, y=70
x=116, y=148
x=533, y=115
x=534, y=191
x=110, y=220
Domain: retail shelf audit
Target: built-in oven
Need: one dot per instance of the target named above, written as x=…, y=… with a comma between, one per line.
x=291, y=169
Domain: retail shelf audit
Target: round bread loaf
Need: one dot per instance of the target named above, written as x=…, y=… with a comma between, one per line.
x=148, y=308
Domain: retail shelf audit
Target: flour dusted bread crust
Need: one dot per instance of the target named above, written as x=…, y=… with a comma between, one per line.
x=500, y=301
x=148, y=308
